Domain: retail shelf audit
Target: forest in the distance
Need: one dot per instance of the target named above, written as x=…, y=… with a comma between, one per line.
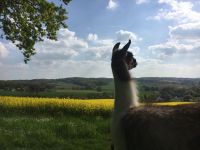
x=150, y=89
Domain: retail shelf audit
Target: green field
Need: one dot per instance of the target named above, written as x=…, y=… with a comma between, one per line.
x=67, y=132
x=60, y=124
x=33, y=123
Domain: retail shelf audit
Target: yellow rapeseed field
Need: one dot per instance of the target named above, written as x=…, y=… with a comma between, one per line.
x=68, y=103
x=55, y=105
x=172, y=103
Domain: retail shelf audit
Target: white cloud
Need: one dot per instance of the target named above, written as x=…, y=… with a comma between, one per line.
x=185, y=31
x=181, y=11
x=176, y=47
x=56, y=69
x=135, y=50
x=183, y=39
x=14, y=71
x=141, y=1
x=67, y=46
x=100, y=52
x=105, y=42
x=71, y=40
x=102, y=49
x=92, y=37
x=184, y=35
x=3, y=51
x=156, y=68
x=70, y=47
x=68, y=56
x=163, y=50
x=123, y=35
x=112, y=4
x=56, y=55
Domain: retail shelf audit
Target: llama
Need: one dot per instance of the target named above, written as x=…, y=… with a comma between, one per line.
x=150, y=127
x=125, y=90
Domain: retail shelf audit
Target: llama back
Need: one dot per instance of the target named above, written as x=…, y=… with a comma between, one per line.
x=162, y=128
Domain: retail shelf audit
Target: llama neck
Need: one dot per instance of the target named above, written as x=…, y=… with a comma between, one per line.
x=125, y=98
x=125, y=88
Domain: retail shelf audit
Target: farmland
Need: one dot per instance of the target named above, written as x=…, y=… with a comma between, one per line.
x=150, y=89
x=54, y=105
x=52, y=123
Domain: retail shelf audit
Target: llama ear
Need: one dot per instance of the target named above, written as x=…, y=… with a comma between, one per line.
x=125, y=48
x=116, y=47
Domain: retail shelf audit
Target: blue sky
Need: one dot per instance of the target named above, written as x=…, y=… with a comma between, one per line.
x=165, y=40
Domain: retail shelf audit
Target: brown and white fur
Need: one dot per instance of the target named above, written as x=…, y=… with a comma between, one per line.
x=153, y=127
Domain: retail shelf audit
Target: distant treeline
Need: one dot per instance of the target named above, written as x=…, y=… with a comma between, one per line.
x=150, y=89
x=25, y=86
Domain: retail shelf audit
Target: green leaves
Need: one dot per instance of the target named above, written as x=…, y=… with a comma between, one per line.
x=26, y=22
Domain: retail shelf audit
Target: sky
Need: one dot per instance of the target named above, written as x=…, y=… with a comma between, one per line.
x=165, y=38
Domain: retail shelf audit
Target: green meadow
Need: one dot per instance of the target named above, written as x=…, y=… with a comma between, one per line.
x=67, y=132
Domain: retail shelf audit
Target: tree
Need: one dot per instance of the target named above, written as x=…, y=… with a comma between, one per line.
x=25, y=22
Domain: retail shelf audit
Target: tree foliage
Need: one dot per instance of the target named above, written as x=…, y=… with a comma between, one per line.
x=26, y=22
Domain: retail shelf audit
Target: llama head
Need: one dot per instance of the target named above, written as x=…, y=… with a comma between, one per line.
x=124, y=54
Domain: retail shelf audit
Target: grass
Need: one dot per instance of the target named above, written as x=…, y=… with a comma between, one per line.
x=47, y=132
x=41, y=123
x=51, y=123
